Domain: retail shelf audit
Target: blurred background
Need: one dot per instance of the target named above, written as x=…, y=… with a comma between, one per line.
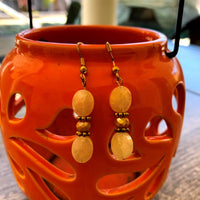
x=183, y=181
x=155, y=14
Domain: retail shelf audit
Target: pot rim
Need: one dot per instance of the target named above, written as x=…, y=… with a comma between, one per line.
x=24, y=38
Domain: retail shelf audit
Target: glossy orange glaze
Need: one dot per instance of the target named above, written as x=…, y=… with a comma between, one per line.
x=43, y=70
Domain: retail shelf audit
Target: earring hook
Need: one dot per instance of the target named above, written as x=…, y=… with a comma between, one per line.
x=78, y=49
x=83, y=68
x=115, y=69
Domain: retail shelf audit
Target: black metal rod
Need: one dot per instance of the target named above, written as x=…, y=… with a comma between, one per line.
x=30, y=13
x=178, y=30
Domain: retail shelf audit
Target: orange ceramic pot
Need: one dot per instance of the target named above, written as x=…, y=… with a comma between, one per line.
x=39, y=78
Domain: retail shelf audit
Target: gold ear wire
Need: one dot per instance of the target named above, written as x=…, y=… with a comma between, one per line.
x=115, y=69
x=78, y=49
x=83, y=68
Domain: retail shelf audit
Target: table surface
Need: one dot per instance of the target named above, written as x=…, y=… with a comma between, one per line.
x=183, y=182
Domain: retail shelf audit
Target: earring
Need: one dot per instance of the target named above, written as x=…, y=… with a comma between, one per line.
x=120, y=102
x=82, y=104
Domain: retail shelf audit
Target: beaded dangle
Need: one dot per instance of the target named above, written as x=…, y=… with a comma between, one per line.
x=82, y=104
x=120, y=102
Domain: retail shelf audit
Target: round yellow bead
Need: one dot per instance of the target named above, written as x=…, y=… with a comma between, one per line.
x=121, y=145
x=120, y=99
x=115, y=69
x=83, y=69
x=122, y=122
x=82, y=149
x=83, y=126
x=83, y=103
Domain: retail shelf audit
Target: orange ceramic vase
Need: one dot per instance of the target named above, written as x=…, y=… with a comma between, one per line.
x=38, y=80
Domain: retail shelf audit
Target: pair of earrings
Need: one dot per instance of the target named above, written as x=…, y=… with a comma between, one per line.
x=83, y=104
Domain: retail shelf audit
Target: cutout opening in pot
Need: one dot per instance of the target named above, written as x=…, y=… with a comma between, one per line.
x=16, y=107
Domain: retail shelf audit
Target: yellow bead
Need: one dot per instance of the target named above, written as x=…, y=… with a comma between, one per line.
x=83, y=103
x=83, y=126
x=78, y=133
x=82, y=149
x=115, y=69
x=122, y=122
x=120, y=99
x=83, y=69
x=121, y=145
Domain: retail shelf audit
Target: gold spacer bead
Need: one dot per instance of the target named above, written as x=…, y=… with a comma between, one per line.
x=124, y=114
x=122, y=122
x=118, y=130
x=80, y=118
x=83, y=69
x=86, y=134
x=124, y=130
x=115, y=69
x=83, y=126
x=88, y=118
x=117, y=114
x=78, y=133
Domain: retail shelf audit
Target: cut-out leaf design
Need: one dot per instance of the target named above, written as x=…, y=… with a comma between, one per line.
x=43, y=185
x=116, y=180
x=115, y=184
x=162, y=127
x=154, y=186
x=16, y=107
x=55, y=163
x=16, y=166
x=178, y=99
x=158, y=128
x=55, y=190
x=64, y=124
x=55, y=160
